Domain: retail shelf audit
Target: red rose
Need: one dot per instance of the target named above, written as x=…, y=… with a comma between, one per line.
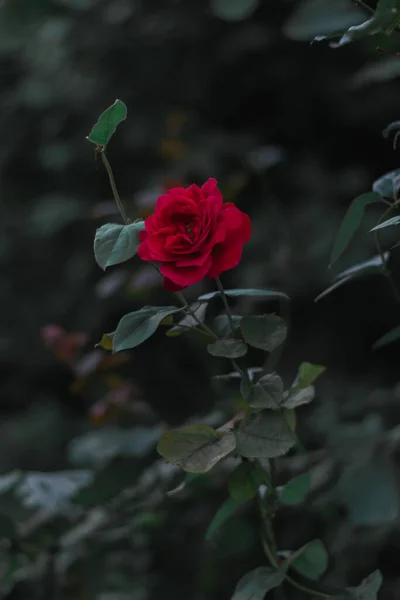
x=193, y=234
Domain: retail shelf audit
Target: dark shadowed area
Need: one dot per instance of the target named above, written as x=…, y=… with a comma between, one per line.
x=292, y=131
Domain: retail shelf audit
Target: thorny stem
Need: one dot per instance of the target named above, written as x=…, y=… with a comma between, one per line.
x=114, y=187
x=386, y=269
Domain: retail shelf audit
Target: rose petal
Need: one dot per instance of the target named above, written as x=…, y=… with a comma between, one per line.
x=185, y=276
x=210, y=188
x=193, y=261
x=225, y=256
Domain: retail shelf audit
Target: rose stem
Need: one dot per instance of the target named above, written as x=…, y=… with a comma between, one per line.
x=114, y=188
x=268, y=544
x=244, y=373
x=189, y=309
x=226, y=305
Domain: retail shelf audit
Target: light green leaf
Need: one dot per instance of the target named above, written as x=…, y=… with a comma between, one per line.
x=255, y=584
x=307, y=374
x=313, y=560
x=289, y=415
x=189, y=321
x=115, y=244
x=222, y=326
x=372, y=266
x=265, y=393
x=106, y=341
x=136, y=327
x=311, y=18
x=195, y=448
x=388, y=184
x=369, y=587
x=227, y=348
x=302, y=392
x=391, y=128
x=267, y=294
x=225, y=512
x=264, y=435
x=296, y=397
x=388, y=223
x=391, y=336
x=351, y=222
x=107, y=123
x=296, y=490
x=244, y=481
x=265, y=332
x=234, y=10
x=356, y=32
x=385, y=20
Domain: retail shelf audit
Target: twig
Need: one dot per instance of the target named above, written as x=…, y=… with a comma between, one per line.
x=116, y=195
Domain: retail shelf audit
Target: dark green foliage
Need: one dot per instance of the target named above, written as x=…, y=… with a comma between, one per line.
x=292, y=131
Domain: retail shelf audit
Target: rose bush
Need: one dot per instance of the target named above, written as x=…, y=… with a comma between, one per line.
x=193, y=234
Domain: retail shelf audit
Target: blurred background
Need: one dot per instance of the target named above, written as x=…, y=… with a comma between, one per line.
x=293, y=132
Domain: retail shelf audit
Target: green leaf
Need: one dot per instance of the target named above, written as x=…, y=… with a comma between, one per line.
x=351, y=222
x=227, y=348
x=195, y=448
x=372, y=266
x=370, y=493
x=388, y=184
x=294, y=397
x=106, y=341
x=244, y=481
x=369, y=587
x=255, y=584
x=391, y=336
x=225, y=512
x=296, y=490
x=222, y=326
x=265, y=332
x=311, y=18
x=290, y=417
x=115, y=244
x=265, y=393
x=107, y=123
x=388, y=223
x=136, y=327
x=264, y=435
x=307, y=374
x=385, y=20
x=302, y=392
x=313, y=560
x=234, y=10
x=271, y=295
